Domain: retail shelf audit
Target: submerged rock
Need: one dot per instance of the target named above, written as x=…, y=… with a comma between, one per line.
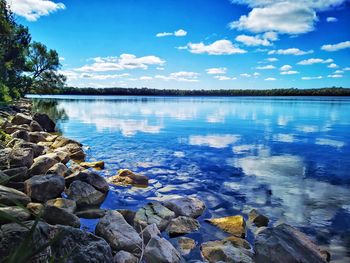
x=84, y=194
x=127, y=177
x=185, y=206
x=287, y=243
x=182, y=225
x=96, y=165
x=234, y=225
x=10, y=196
x=258, y=219
x=186, y=245
x=125, y=257
x=160, y=250
x=118, y=233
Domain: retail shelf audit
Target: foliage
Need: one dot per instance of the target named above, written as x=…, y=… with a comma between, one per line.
x=4, y=93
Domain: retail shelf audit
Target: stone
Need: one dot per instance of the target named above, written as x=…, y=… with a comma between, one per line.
x=41, y=165
x=10, y=196
x=284, y=241
x=186, y=245
x=12, y=128
x=45, y=122
x=235, y=225
x=149, y=232
x=91, y=213
x=97, y=181
x=96, y=165
x=37, y=149
x=36, y=137
x=34, y=126
x=59, y=156
x=125, y=257
x=63, y=203
x=182, y=225
x=128, y=215
x=21, y=118
x=61, y=141
x=74, y=150
x=84, y=194
x=185, y=206
x=35, y=208
x=127, y=177
x=55, y=215
x=44, y=187
x=153, y=213
x=4, y=178
x=118, y=233
x=225, y=251
x=258, y=219
x=58, y=168
x=160, y=250
x=21, y=157
x=16, y=174
x=21, y=134
x=15, y=212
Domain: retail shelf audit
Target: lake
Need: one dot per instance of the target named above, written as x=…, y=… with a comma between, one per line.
x=289, y=157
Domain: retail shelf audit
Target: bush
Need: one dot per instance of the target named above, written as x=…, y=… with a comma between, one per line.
x=4, y=94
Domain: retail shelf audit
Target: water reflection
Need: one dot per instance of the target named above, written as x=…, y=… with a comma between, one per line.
x=215, y=141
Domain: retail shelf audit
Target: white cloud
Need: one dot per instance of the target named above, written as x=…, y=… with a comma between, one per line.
x=336, y=47
x=253, y=40
x=272, y=59
x=223, y=78
x=290, y=51
x=335, y=76
x=312, y=61
x=289, y=72
x=245, y=75
x=266, y=67
x=333, y=65
x=146, y=78
x=182, y=76
x=338, y=72
x=215, y=71
x=125, y=61
x=103, y=76
x=32, y=10
x=256, y=74
x=219, y=47
x=332, y=19
x=286, y=67
x=347, y=69
x=177, y=33
x=270, y=79
x=311, y=78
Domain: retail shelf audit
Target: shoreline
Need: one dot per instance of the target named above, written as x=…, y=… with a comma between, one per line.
x=51, y=165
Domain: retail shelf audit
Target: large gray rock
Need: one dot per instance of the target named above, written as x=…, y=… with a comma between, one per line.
x=61, y=141
x=45, y=122
x=185, y=206
x=60, y=156
x=160, y=250
x=125, y=257
x=17, y=174
x=44, y=187
x=35, y=126
x=97, y=181
x=287, y=243
x=84, y=194
x=10, y=196
x=153, y=213
x=182, y=225
x=21, y=157
x=149, y=232
x=58, y=168
x=37, y=149
x=59, y=216
x=16, y=212
x=21, y=118
x=41, y=165
x=37, y=137
x=20, y=134
x=118, y=233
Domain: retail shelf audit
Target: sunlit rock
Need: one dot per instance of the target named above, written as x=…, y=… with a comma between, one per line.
x=186, y=245
x=58, y=168
x=41, y=165
x=96, y=165
x=63, y=203
x=234, y=225
x=21, y=118
x=127, y=177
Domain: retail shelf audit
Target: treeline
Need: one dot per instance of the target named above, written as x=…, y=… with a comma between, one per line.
x=334, y=91
x=25, y=65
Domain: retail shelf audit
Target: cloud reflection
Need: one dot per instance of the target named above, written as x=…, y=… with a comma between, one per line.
x=215, y=141
x=329, y=142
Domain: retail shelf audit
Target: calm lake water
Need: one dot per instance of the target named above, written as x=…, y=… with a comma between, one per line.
x=287, y=157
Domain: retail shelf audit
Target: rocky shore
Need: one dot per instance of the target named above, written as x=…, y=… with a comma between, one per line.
x=46, y=186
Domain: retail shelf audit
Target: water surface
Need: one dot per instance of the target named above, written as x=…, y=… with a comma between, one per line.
x=287, y=157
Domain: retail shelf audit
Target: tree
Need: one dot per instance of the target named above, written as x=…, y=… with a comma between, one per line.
x=50, y=82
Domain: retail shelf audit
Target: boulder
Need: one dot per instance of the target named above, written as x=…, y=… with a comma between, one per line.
x=59, y=156
x=37, y=149
x=63, y=203
x=284, y=241
x=58, y=216
x=4, y=178
x=34, y=126
x=125, y=257
x=12, y=128
x=186, y=245
x=128, y=215
x=97, y=181
x=235, y=225
x=91, y=213
x=16, y=174
x=21, y=134
x=149, y=232
x=96, y=165
x=182, y=225
x=44, y=187
x=35, y=208
x=185, y=206
x=21, y=157
x=160, y=250
x=127, y=177
x=84, y=194
x=45, y=122
x=58, y=168
x=258, y=219
x=15, y=212
x=61, y=141
x=74, y=150
x=21, y=118
x=10, y=196
x=41, y=165
x=118, y=233
x=153, y=213
x=36, y=137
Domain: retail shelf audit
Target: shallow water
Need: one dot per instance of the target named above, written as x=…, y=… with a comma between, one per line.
x=287, y=157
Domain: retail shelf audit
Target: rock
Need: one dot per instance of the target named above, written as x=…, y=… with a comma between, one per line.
x=34, y=126
x=21, y=157
x=35, y=208
x=149, y=232
x=153, y=213
x=16, y=174
x=4, y=178
x=74, y=150
x=63, y=203
x=225, y=251
x=97, y=181
x=58, y=168
x=45, y=122
x=41, y=165
x=12, y=128
x=185, y=206
x=16, y=185
x=59, y=156
x=127, y=177
x=20, y=118
x=10, y=196
x=61, y=141
x=36, y=137
x=125, y=257
x=44, y=187
x=59, y=216
x=186, y=245
x=13, y=211
x=96, y=165
x=20, y=134
x=84, y=194
x=283, y=241
x=92, y=213
x=258, y=219
x=37, y=149
x=234, y=225
x=182, y=225
x=118, y=233
x=160, y=250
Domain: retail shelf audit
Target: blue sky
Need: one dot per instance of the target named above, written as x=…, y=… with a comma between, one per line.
x=211, y=44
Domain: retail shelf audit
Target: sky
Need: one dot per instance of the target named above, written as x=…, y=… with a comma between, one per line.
x=196, y=44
